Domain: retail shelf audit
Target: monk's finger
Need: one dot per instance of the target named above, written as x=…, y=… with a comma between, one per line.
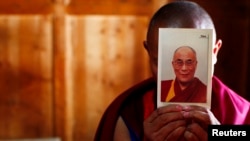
x=170, y=127
x=164, y=132
x=213, y=119
x=201, y=118
x=189, y=136
x=204, y=118
x=162, y=120
x=198, y=116
x=163, y=110
x=197, y=131
x=194, y=108
x=176, y=134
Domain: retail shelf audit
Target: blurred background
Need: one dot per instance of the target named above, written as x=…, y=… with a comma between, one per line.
x=63, y=61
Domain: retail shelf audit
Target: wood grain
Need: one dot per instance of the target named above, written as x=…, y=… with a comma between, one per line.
x=26, y=97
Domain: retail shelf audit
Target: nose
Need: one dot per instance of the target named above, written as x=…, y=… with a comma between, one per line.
x=184, y=67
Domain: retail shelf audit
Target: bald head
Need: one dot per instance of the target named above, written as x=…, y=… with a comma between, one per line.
x=186, y=50
x=179, y=14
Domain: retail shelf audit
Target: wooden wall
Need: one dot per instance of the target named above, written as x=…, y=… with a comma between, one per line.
x=63, y=61
x=95, y=62
x=26, y=84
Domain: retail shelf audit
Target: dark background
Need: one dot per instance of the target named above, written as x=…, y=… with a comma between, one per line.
x=231, y=18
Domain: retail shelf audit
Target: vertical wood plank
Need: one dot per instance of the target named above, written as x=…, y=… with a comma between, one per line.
x=104, y=50
x=26, y=77
x=62, y=81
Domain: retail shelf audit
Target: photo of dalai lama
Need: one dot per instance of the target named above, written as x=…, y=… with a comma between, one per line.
x=185, y=87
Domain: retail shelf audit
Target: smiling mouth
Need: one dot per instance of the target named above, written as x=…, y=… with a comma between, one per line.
x=184, y=75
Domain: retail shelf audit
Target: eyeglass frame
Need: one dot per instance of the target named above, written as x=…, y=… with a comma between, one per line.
x=178, y=63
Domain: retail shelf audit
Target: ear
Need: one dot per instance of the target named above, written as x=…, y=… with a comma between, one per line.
x=217, y=47
x=145, y=44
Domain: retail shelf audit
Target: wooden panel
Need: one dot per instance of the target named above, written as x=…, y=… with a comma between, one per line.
x=26, y=6
x=115, y=60
x=104, y=55
x=117, y=7
x=114, y=7
x=26, y=77
x=63, y=106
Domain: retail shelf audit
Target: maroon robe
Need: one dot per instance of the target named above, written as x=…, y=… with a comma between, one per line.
x=138, y=102
x=195, y=92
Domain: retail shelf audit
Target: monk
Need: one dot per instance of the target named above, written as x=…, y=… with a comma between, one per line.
x=186, y=87
x=134, y=115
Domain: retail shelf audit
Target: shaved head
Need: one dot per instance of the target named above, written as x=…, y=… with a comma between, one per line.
x=179, y=14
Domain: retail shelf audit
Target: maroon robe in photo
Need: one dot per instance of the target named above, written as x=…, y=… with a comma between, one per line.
x=195, y=92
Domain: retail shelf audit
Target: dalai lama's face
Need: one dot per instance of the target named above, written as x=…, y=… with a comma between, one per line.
x=184, y=64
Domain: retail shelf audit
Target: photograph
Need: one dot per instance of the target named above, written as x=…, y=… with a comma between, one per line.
x=184, y=69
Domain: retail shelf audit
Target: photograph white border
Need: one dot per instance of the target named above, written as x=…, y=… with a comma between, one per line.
x=169, y=40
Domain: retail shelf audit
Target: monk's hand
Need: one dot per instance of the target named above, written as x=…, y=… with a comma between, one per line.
x=165, y=123
x=198, y=118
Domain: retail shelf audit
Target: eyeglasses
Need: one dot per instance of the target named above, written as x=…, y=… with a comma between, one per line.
x=180, y=63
